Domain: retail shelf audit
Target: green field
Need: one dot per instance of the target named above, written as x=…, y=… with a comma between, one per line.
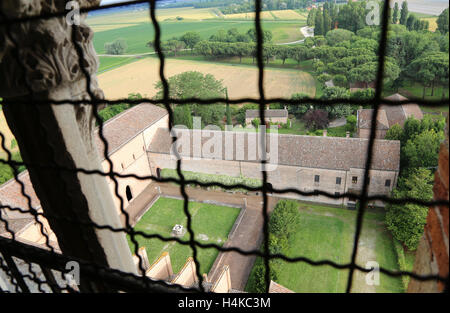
x=327, y=233
x=211, y=221
x=137, y=36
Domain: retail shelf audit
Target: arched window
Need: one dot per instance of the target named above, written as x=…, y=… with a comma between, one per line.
x=129, y=194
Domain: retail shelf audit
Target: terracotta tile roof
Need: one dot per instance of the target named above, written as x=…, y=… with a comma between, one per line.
x=267, y=113
x=365, y=119
x=395, y=114
x=126, y=125
x=305, y=151
x=118, y=130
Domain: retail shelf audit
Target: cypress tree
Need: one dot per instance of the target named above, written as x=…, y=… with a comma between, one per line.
x=404, y=13
x=395, y=14
x=318, y=25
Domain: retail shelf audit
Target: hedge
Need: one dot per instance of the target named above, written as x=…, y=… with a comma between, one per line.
x=401, y=260
x=209, y=178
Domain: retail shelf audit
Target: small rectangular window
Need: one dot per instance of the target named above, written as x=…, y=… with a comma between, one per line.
x=338, y=180
x=316, y=178
x=355, y=179
x=388, y=183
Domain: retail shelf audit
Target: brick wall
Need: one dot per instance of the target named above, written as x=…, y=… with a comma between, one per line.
x=432, y=253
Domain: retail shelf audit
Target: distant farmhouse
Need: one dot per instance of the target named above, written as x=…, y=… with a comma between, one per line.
x=139, y=143
x=273, y=116
x=388, y=115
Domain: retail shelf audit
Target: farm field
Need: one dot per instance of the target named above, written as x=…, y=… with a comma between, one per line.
x=241, y=80
x=327, y=233
x=211, y=224
x=137, y=36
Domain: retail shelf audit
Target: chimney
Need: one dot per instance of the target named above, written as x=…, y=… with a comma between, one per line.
x=347, y=134
x=324, y=132
x=268, y=106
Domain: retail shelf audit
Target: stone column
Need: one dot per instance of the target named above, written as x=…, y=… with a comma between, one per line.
x=38, y=62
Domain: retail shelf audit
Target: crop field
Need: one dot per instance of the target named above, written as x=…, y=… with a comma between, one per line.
x=269, y=15
x=432, y=21
x=137, y=36
x=211, y=224
x=241, y=80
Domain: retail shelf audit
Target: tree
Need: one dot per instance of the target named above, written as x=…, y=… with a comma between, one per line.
x=430, y=69
x=311, y=17
x=267, y=35
x=365, y=73
x=411, y=22
x=422, y=150
x=118, y=46
x=404, y=13
x=442, y=22
x=284, y=218
x=190, y=39
x=351, y=124
x=299, y=109
x=326, y=22
x=318, y=25
x=182, y=115
x=195, y=84
x=173, y=45
x=283, y=52
x=407, y=221
x=340, y=80
x=395, y=132
x=395, y=14
x=316, y=119
x=338, y=35
x=260, y=278
x=340, y=109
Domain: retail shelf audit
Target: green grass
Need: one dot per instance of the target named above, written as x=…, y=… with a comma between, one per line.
x=211, y=220
x=109, y=63
x=327, y=233
x=139, y=35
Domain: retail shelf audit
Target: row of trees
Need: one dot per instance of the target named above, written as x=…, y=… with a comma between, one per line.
x=324, y=19
x=243, y=6
x=419, y=141
x=283, y=223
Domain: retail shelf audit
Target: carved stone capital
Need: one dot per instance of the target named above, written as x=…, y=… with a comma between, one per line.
x=38, y=55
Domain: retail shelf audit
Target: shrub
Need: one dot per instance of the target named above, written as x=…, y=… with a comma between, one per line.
x=401, y=260
x=316, y=119
x=260, y=283
x=351, y=123
x=284, y=218
x=209, y=178
x=118, y=46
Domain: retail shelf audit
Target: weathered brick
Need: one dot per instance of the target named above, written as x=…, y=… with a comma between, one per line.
x=437, y=244
x=443, y=165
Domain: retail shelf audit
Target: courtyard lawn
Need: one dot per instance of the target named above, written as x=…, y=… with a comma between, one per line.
x=327, y=233
x=211, y=224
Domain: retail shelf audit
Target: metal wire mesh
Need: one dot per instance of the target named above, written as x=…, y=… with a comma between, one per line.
x=124, y=280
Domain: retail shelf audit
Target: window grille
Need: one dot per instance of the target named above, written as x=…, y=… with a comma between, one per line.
x=49, y=260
